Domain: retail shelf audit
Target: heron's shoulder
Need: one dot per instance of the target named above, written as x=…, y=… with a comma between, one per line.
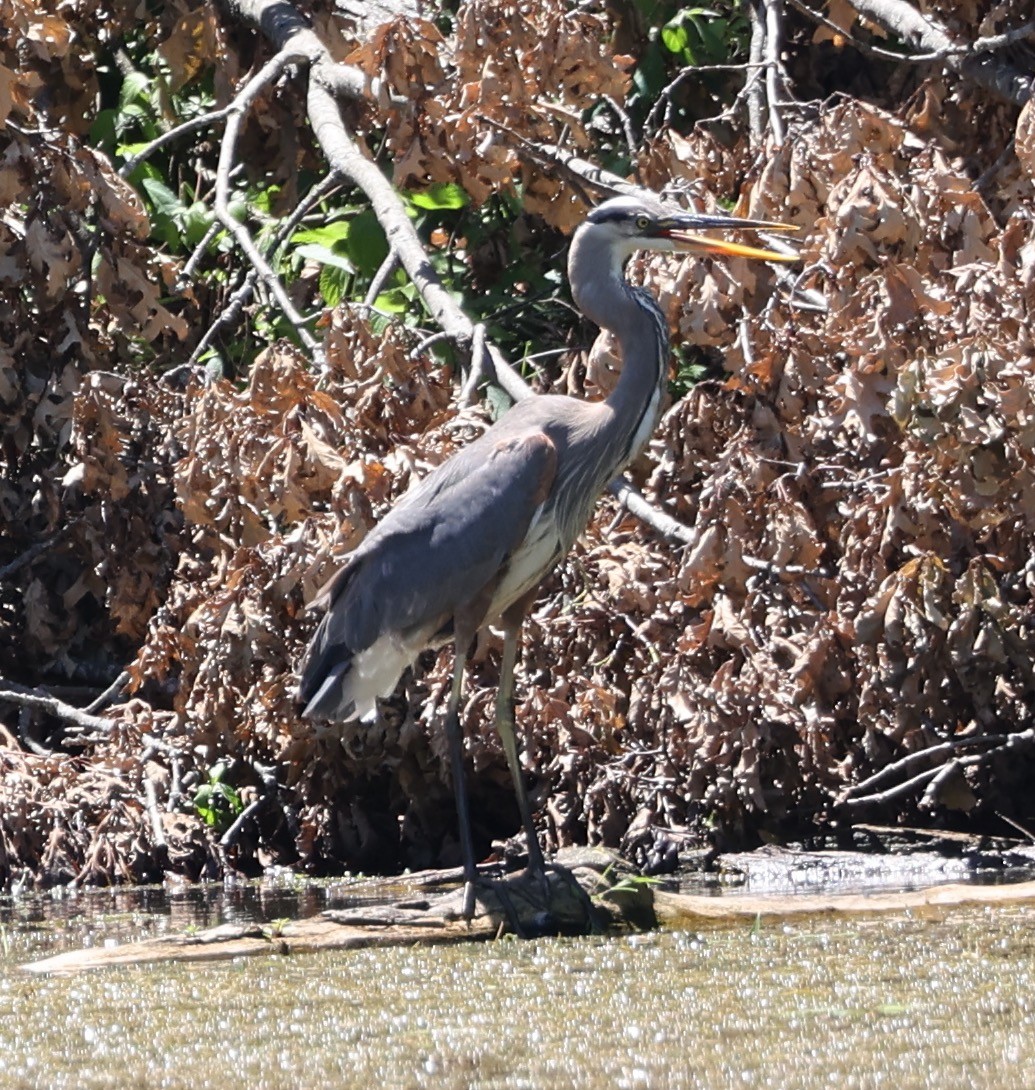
x=545, y=413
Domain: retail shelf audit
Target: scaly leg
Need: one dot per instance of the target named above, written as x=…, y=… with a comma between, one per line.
x=454, y=736
x=505, y=726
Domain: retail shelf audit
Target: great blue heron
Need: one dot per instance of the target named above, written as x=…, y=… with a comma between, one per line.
x=470, y=544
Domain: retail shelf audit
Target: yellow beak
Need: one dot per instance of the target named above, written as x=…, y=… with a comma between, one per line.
x=682, y=230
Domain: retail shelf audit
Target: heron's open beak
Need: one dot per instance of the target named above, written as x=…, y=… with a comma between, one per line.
x=683, y=232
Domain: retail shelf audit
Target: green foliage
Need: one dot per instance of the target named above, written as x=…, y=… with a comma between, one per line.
x=216, y=802
x=441, y=196
x=510, y=282
x=702, y=36
x=679, y=38
x=693, y=364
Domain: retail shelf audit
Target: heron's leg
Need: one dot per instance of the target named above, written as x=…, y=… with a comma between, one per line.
x=505, y=726
x=455, y=738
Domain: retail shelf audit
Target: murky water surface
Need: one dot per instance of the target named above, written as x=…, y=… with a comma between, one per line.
x=935, y=999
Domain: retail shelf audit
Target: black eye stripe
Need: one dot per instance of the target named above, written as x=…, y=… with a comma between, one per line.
x=619, y=215
x=607, y=215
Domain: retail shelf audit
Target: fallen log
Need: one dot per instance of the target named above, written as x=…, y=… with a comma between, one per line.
x=681, y=908
x=591, y=892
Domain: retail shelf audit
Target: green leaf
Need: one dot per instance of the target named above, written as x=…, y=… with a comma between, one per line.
x=674, y=37
x=441, y=195
x=334, y=283
x=102, y=131
x=650, y=75
x=327, y=235
x=265, y=199
x=165, y=201
x=395, y=300
x=238, y=208
x=127, y=151
x=135, y=88
x=196, y=221
x=366, y=243
x=713, y=37
x=325, y=256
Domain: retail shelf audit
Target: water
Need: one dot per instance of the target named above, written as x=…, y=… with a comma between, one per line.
x=939, y=998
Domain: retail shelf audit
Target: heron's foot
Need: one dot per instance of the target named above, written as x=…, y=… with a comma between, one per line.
x=548, y=899
x=496, y=893
x=536, y=901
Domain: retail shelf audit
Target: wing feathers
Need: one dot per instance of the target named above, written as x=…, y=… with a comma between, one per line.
x=435, y=552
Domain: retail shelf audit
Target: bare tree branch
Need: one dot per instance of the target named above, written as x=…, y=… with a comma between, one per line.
x=241, y=294
x=633, y=501
x=33, y=551
x=227, y=152
x=12, y=693
x=774, y=84
x=974, y=60
x=182, y=129
x=753, y=86
x=853, y=798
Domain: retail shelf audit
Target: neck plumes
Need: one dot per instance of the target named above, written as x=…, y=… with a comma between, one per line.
x=634, y=317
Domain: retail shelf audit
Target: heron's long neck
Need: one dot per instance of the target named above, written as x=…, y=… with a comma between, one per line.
x=636, y=320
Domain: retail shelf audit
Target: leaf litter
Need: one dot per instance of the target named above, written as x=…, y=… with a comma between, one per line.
x=859, y=487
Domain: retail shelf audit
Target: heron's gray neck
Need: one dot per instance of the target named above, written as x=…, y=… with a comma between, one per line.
x=633, y=316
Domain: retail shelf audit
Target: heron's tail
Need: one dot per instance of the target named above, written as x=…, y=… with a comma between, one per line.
x=338, y=684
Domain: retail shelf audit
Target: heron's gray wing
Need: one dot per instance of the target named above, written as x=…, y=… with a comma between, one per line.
x=445, y=543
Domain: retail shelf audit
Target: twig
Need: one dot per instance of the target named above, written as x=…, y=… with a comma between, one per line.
x=243, y=293
x=269, y=786
x=758, y=564
x=753, y=67
x=230, y=313
x=175, y=788
x=476, y=373
x=925, y=756
x=1007, y=38
x=33, y=551
x=12, y=693
x=283, y=59
x=182, y=129
x=907, y=787
x=997, y=742
x=1013, y=823
x=152, y=809
x=774, y=84
x=187, y=272
x=625, y=121
x=864, y=47
x=925, y=31
x=109, y=694
x=578, y=172
x=752, y=86
x=385, y=270
x=658, y=520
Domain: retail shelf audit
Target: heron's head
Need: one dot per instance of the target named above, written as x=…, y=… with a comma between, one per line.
x=621, y=226
x=615, y=230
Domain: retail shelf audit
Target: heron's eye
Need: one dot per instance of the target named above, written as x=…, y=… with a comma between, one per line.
x=642, y=223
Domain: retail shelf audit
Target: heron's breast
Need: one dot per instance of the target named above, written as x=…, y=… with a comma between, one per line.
x=530, y=562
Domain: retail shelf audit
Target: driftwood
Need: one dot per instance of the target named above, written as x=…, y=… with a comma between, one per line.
x=594, y=892
x=588, y=894
x=681, y=908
